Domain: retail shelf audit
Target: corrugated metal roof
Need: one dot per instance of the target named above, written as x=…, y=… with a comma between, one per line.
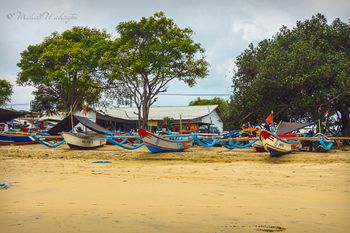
x=158, y=113
x=56, y=117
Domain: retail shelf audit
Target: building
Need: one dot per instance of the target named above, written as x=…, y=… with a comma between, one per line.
x=126, y=119
x=18, y=119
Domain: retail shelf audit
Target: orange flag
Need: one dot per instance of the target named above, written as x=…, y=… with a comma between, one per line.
x=269, y=119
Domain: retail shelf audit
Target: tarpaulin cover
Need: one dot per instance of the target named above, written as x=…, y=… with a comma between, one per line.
x=66, y=125
x=9, y=114
x=287, y=127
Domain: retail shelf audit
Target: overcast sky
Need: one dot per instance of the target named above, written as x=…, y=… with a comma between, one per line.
x=224, y=28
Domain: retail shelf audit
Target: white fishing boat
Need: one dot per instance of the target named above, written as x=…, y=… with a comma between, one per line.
x=276, y=145
x=157, y=143
x=83, y=142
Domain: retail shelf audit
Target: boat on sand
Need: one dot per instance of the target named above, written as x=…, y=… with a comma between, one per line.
x=276, y=145
x=158, y=144
x=83, y=142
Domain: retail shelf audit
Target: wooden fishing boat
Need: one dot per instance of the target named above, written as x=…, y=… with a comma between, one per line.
x=276, y=145
x=83, y=142
x=158, y=144
x=16, y=139
x=258, y=146
x=22, y=138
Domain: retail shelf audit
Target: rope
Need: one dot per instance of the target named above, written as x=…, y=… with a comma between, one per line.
x=48, y=144
x=111, y=140
x=231, y=145
x=207, y=145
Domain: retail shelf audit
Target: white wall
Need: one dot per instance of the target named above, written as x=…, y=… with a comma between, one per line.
x=214, y=118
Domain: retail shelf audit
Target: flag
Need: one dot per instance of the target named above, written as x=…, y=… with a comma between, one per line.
x=188, y=126
x=269, y=119
x=326, y=114
x=84, y=110
x=164, y=124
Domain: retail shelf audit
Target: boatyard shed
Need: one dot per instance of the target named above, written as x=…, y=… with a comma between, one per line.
x=192, y=117
x=125, y=119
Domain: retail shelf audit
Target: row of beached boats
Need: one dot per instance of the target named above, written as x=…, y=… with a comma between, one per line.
x=279, y=143
x=276, y=145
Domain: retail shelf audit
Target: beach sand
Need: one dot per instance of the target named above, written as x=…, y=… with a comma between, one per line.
x=200, y=190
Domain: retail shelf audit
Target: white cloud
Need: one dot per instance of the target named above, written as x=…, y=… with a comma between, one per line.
x=260, y=21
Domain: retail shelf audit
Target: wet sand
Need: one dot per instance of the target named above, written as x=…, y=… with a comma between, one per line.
x=201, y=190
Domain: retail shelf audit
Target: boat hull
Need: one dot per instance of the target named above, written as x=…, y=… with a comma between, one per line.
x=16, y=139
x=275, y=145
x=258, y=146
x=83, y=142
x=157, y=144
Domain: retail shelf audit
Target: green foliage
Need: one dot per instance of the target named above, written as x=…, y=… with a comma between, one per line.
x=168, y=122
x=299, y=73
x=5, y=91
x=65, y=68
x=149, y=54
x=224, y=108
x=46, y=103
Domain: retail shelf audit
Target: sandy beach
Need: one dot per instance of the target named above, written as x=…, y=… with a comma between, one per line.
x=200, y=190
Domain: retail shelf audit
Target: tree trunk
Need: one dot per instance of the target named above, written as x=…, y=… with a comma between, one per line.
x=145, y=113
x=139, y=117
x=345, y=123
x=144, y=121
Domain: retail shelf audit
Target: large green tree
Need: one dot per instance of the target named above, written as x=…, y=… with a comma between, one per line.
x=224, y=108
x=46, y=103
x=65, y=69
x=148, y=55
x=5, y=91
x=300, y=73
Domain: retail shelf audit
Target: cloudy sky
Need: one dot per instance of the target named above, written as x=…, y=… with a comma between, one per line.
x=224, y=28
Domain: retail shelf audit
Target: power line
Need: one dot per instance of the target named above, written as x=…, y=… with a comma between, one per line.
x=18, y=104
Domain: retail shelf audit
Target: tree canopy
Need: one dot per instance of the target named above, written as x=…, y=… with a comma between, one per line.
x=300, y=74
x=65, y=69
x=224, y=108
x=148, y=55
x=5, y=91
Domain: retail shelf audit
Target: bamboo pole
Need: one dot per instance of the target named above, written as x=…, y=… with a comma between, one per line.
x=180, y=123
x=71, y=117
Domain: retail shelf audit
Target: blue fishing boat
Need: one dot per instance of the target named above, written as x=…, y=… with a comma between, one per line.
x=16, y=139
